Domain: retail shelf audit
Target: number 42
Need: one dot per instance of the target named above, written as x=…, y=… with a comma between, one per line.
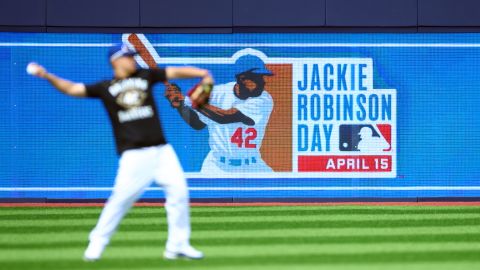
x=250, y=134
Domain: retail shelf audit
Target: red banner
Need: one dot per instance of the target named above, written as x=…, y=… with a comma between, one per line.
x=375, y=163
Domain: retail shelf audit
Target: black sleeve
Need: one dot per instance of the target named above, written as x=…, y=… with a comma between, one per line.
x=190, y=117
x=96, y=90
x=157, y=75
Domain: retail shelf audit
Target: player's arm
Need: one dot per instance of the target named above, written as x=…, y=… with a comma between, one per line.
x=66, y=86
x=222, y=116
x=63, y=85
x=250, y=112
x=188, y=72
x=216, y=114
x=177, y=100
x=190, y=117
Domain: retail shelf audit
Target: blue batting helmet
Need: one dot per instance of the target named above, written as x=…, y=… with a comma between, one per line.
x=251, y=63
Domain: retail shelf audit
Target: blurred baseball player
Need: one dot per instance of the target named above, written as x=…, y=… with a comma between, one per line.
x=145, y=154
x=237, y=116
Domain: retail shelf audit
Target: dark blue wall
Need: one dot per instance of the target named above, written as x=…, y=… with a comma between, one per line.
x=372, y=13
x=235, y=15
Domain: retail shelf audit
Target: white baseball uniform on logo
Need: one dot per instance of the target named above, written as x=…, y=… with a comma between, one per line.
x=235, y=147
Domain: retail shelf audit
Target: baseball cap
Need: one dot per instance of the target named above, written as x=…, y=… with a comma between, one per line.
x=120, y=50
x=251, y=63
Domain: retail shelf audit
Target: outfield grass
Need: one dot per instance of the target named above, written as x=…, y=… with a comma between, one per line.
x=288, y=237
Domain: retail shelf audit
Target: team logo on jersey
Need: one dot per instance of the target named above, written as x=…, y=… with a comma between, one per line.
x=129, y=93
x=131, y=98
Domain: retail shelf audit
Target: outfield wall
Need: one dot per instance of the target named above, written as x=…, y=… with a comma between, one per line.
x=233, y=16
x=416, y=94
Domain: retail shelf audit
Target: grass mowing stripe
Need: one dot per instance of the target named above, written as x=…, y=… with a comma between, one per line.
x=232, y=241
x=60, y=237
x=255, y=225
x=266, y=262
x=138, y=213
x=304, y=266
x=443, y=238
x=240, y=215
x=248, y=251
x=353, y=266
x=209, y=209
x=270, y=237
x=153, y=220
x=252, y=250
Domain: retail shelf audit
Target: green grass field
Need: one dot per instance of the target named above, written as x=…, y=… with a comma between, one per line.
x=287, y=237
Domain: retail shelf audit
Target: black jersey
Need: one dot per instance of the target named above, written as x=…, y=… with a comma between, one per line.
x=131, y=108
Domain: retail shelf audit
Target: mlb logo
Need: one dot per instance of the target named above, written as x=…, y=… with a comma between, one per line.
x=365, y=138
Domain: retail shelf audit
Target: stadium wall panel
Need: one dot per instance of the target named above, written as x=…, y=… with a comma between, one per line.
x=56, y=147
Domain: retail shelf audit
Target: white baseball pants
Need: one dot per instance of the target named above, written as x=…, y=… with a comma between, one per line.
x=137, y=170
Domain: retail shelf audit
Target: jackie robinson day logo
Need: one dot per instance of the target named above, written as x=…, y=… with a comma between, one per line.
x=300, y=117
x=343, y=126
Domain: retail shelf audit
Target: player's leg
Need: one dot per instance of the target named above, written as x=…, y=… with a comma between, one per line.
x=135, y=173
x=169, y=174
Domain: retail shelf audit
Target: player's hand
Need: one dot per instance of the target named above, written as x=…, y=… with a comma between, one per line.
x=200, y=94
x=37, y=70
x=174, y=95
x=208, y=79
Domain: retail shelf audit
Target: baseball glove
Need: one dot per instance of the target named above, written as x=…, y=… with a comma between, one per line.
x=200, y=94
